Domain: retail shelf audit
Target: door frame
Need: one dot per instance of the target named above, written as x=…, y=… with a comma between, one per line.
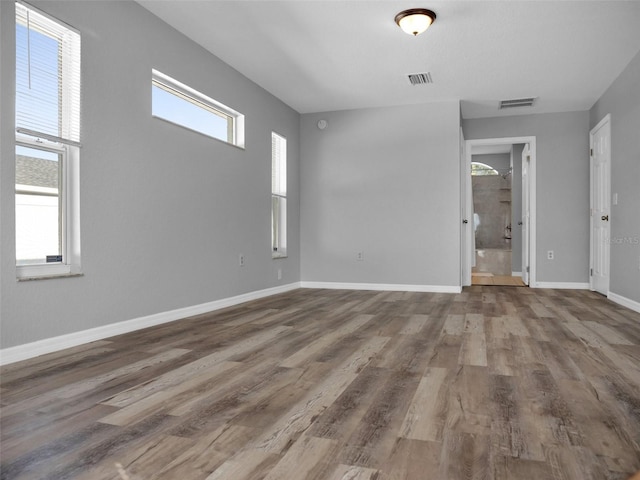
x=465, y=214
x=466, y=170
x=525, y=212
x=605, y=122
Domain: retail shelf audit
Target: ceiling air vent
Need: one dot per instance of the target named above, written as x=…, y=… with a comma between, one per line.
x=419, y=78
x=517, y=102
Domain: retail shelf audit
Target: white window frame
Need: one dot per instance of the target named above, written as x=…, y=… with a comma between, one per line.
x=235, y=120
x=68, y=147
x=69, y=212
x=278, y=200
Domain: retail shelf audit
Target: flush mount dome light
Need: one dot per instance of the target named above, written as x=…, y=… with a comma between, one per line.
x=415, y=20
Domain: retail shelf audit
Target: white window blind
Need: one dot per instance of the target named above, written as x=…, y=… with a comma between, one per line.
x=47, y=77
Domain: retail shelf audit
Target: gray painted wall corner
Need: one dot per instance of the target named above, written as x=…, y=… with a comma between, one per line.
x=562, y=186
x=384, y=182
x=164, y=211
x=622, y=101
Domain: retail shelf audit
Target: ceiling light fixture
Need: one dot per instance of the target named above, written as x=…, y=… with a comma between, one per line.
x=415, y=20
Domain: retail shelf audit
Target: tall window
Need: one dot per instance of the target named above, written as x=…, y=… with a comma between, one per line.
x=47, y=145
x=180, y=104
x=278, y=195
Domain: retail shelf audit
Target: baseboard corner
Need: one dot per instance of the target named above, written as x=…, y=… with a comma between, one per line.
x=624, y=301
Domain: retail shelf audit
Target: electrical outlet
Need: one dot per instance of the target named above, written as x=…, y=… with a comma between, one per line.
x=360, y=256
x=279, y=274
x=241, y=260
x=550, y=255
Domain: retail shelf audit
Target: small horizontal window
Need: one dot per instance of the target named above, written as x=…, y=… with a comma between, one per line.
x=177, y=103
x=478, y=168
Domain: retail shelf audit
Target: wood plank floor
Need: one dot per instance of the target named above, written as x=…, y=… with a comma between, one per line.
x=491, y=279
x=493, y=383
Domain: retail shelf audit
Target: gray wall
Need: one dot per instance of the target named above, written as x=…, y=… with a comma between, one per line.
x=386, y=182
x=489, y=202
x=164, y=211
x=622, y=101
x=562, y=141
x=492, y=204
x=7, y=41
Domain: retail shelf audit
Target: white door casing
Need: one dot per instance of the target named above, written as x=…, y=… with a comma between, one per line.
x=526, y=214
x=466, y=207
x=600, y=205
x=531, y=196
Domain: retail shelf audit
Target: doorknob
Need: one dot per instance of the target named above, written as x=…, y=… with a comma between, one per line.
x=465, y=221
x=605, y=218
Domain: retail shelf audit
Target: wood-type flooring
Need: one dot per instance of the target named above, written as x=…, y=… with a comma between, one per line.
x=491, y=279
x=496, y=383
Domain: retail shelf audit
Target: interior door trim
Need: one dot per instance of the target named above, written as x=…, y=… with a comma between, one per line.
x=531, y=140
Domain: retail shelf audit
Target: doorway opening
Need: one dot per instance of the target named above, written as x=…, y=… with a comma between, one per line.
x=491, y=187
x=499, y=206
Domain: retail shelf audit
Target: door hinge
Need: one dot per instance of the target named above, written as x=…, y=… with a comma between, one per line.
x=591, y=152
x=591, y=272
x=527, y=268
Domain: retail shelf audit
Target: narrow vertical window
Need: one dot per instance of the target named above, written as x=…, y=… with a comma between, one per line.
x=47, y=145
x=278, y=195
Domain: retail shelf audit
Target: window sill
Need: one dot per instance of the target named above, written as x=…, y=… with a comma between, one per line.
x=275, y=256
x=49, y=277
x=46, y=271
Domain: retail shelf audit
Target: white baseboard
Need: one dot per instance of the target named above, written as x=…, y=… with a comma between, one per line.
x=624, y=301
x=49, y=345
x=563, y=285
x=516, y=274
x=383, y=286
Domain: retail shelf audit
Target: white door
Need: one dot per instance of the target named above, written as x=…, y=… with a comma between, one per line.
x=600, y=145
x=526, y=212
x=466, y=213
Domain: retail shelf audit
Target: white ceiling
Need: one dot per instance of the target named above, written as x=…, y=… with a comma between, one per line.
x=342, y=54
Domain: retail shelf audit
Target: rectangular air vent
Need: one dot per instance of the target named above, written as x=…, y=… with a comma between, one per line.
x=517, y=102
x=419, y=78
